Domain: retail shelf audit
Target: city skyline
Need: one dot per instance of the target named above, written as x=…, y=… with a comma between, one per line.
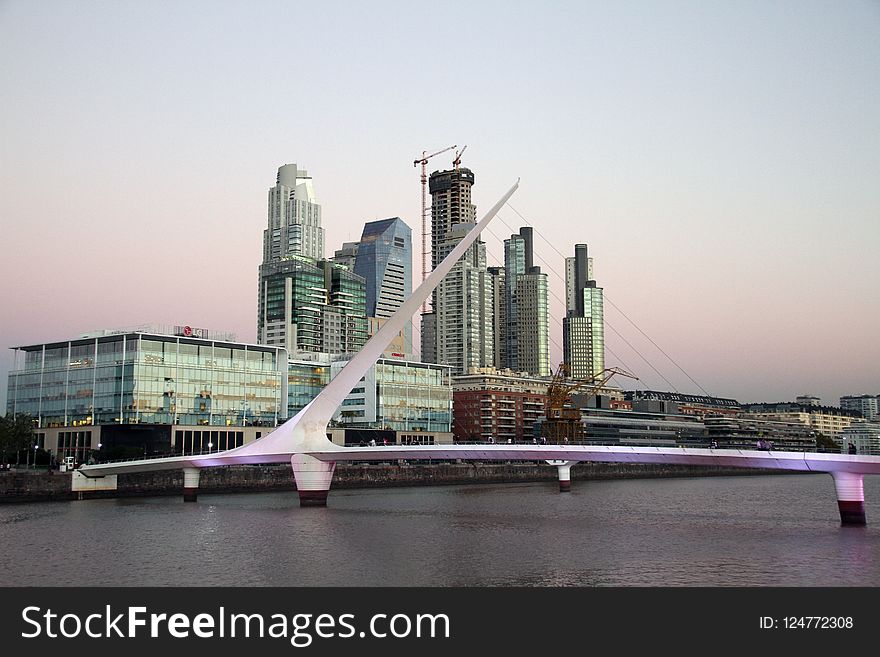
x=735, y=222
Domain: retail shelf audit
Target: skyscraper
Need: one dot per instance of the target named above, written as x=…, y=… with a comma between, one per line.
x=462, y=320
x=533, y=333
x=384, y=260
x=294, y=226
x=583, y=328
x=526, y=334
x=499, y=298
x=305, y=303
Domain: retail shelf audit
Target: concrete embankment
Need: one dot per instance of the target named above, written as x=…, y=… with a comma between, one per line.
x=32, y=486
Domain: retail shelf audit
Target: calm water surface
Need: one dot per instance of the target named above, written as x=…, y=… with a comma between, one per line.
x=715, y=531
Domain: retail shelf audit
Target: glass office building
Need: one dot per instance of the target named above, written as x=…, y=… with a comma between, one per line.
x=384, y=260
x=128, y=378
x=399, y=395
x=305, y=379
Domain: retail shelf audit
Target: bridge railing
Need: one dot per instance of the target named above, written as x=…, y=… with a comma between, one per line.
x=701, y=444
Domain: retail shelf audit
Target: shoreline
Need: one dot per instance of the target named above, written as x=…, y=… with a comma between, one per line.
x=33, y=486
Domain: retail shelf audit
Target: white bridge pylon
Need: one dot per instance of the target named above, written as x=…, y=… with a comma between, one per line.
x=302, y=440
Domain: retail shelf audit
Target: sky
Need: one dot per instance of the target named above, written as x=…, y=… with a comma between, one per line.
x=721, y=160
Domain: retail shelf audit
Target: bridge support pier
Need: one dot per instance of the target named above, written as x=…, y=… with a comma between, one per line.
x=313, y=478
x=850, y=497
x=190, y=484
x=564, y=470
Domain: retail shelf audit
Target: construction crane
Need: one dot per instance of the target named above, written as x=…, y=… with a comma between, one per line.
x=424, y=162
x=457, y=161
x=562, y=422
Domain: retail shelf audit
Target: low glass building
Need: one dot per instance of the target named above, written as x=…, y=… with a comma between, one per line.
x=136, y=378
x=399, y=395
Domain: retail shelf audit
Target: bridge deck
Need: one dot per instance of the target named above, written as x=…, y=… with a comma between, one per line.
x=775, y=460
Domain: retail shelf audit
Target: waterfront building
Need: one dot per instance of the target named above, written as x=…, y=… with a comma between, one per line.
x=610, y=426
x=583, y=327
x=863, y=436
x=501, y=405
x=462, y=318
x=400, y=395
x=867, y=405
x=746, y=430
x=675, y=402
x=830, y=421
x=159, y=389
x=306, y=377
x=384, y=260
x=808, y=400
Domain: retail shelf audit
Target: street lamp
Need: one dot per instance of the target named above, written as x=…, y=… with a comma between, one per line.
x=210, y=445
x=36, y=447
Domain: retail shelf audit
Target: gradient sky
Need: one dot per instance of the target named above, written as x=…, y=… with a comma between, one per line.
x=721, y=159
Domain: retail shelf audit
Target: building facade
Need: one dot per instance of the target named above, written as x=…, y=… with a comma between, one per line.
x=498, y=277
x=462, y=319
x=500, y=405
x=867, y=405
x=142, y=387
x=864, y=437
x=294, y=217
x=304, y=304
x=399, y=395
x=311, y=306
x=526, y=333
x=384, y=260
x=830, y=421
x=533, y=341
x=464, y=324
x=583, y=328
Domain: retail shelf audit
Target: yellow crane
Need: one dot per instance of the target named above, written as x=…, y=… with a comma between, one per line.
x=562, y=422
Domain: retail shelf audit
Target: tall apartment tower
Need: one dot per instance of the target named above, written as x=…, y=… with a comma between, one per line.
x=384, y=259
x=526, y=326
x=499, y=298
x=459, y=330
x=583, y=328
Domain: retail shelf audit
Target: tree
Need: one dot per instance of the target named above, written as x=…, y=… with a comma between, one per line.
x=826, y=444
x=16, y=433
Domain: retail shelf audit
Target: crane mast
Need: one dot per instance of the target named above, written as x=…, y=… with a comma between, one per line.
x=424, y=162
x=563, y=422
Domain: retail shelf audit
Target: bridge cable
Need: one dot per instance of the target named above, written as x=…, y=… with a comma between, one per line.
x=616, y=307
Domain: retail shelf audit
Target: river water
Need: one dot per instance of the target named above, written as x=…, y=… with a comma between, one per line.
x=779, y=530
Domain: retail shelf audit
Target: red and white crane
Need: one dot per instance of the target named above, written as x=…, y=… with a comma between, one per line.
x=424, y=162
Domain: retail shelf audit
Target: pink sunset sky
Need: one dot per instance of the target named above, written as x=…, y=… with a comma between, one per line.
x=721, y=160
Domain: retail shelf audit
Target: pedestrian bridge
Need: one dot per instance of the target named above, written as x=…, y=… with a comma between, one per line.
x=303, y=442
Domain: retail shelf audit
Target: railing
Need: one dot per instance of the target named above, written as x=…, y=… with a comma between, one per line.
x=699, y=444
